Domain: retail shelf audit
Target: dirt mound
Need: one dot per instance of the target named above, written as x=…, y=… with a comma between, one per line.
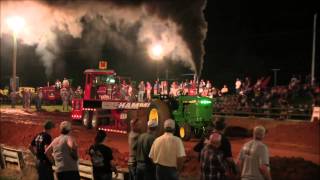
x=293, y=169
x=297, y=133
x=236, y=131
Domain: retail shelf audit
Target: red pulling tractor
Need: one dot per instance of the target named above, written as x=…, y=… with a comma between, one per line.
x=103, y=107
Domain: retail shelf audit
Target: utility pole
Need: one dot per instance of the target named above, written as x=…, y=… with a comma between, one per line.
x=167, y=74
x=275, y=76
x=313, y=48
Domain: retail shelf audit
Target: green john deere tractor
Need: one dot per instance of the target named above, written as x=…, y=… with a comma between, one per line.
x=192, y=114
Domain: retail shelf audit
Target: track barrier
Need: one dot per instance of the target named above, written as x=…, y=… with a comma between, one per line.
x=9, y=155
x=315, y=114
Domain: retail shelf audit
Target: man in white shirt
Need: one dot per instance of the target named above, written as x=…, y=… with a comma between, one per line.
x=253, y=159
x=168, y=153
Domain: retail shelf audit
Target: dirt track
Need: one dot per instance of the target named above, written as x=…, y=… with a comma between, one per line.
x=285, y=139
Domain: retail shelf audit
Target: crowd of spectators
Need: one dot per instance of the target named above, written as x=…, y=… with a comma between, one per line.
x=245, y=96
x=151, y=156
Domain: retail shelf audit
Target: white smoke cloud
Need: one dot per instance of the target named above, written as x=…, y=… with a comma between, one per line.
x=109, y=25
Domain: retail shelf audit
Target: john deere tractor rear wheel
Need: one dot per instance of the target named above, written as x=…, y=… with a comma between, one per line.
x=185, y=131
x=158, y=112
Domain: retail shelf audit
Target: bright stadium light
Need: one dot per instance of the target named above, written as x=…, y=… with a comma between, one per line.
x=15, y=23
x=156, y=52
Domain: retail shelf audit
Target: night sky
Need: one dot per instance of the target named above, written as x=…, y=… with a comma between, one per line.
x=251, y=38
x=243, y=39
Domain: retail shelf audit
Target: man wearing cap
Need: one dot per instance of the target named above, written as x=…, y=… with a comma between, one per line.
x=63, y=150
x=37, y=148
x=145, y=168
x=132, y=141
x=253, y=158
x=168, y=153
x=211, y=159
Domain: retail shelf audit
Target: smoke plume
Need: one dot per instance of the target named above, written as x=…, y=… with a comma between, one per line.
x=178, y=26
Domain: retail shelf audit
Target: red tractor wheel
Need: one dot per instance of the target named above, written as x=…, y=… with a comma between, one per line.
x=87, y=118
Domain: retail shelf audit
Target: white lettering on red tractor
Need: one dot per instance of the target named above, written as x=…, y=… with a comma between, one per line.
x=104, y=97
x=121, y=105
x=132, y=105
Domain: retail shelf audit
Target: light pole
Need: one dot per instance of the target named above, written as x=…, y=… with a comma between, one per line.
x=156, y=53
x=313, y=49
x=275, y=76
x=15, y=23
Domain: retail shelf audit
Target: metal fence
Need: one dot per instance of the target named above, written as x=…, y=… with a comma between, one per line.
x=228, y=106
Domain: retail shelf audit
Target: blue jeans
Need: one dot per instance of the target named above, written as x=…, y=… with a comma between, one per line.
x=140, y=96
x=132, y=172
x=166, y=173
x=68, y=175
x=44, y=170
x=145, y=171
x=104, y=176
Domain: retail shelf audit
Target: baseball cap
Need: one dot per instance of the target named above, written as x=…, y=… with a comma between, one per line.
x=169, y=123
x=65, y=125
x=152, y=123
x=48, y=124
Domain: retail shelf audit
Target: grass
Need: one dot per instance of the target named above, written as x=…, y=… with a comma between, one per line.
x=7, y=178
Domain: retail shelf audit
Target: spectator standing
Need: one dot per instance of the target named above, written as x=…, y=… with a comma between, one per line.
x=13, y=98
x=238, y=85
x=168, y=153
x=65, y=95
x=156, y=88
x=39, y=97
x=57, y=84
x=101, y=158
x=78, y=93
x=254, y=157
x=37, y=148
x=208, y=85
x=23, y=94
x=65, y=83
x=132, y=140
x=225, y=146
x=63, y=150
x=142, y=90
x=211, y=159
x=224, y=90
x=28, y=95
x=145, y=168
x=204, y=140
x=148, y=89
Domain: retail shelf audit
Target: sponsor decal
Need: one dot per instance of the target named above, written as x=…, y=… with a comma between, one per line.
x=104, y=97
x=124, y=105
x=133, y=105
x=109, y=105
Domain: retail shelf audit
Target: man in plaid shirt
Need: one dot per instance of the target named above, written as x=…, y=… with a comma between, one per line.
x=211, y=160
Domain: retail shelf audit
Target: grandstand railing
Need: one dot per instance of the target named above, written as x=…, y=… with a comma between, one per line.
x=229, y=106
